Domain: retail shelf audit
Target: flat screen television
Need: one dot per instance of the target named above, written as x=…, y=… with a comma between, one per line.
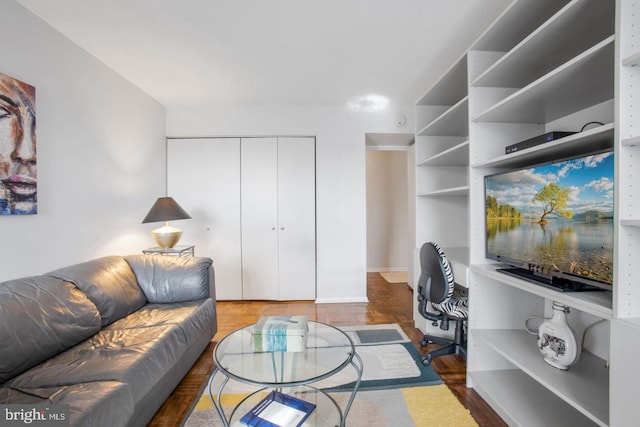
x=553, y=223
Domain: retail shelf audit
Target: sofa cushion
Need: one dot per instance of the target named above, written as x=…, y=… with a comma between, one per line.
x=194, y=318
x=138, y=357
x=100, y=403
x=109, y=283
x=168, y=279
x=39, y=318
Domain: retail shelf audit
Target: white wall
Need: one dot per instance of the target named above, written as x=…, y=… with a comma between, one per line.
x=101, y=157
x=387, y=211
x=340, y=176
x=411, y=215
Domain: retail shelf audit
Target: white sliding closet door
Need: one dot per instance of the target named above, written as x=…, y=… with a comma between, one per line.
x=296, y=218
x=278, y=218
x=252, y=202
x=203, y=176
x=259, y=200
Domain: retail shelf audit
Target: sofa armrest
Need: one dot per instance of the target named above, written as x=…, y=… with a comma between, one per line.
x=167, y=279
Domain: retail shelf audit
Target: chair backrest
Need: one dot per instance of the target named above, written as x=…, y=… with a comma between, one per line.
x=436, y=282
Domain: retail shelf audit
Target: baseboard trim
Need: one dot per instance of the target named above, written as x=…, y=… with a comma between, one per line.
x=340, y=300
x=387, y=270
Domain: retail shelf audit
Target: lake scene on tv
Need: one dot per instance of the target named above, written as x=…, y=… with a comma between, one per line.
x=557, y=216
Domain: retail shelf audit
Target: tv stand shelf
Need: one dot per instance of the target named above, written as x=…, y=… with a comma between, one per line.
x=558, y=283
x=596, y=303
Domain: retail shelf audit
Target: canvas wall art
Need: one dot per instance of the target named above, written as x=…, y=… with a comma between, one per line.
x=18, y=173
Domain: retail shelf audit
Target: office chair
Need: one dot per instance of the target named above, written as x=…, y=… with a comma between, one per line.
x=436, y=288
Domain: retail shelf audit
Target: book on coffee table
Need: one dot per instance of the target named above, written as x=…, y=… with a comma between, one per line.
x=278, y=410
x=280, y=333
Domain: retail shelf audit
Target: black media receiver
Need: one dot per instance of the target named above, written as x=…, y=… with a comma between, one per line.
x=536, y=140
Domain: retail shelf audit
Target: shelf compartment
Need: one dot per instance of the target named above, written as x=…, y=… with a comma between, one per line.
x=590, y=141
x=440, y=209
x=628, y=270
x=584, y=386
x=515, y=23
x=632, y=60
x=505, y=391
x=450, y=88
x=598, y=303
x=631, y=142
x=633, y=322
x=551, y=44
x=584, y=81
x=625, y=410
x=458, y=155
x=447, y=192
x=453, y=122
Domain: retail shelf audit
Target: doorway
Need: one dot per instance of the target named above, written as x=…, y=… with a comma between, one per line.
x=389, y=167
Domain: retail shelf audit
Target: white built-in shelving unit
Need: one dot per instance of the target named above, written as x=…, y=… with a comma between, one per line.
x=625, y=330
x=542, y=66
x=442, y=163
x=628, y=149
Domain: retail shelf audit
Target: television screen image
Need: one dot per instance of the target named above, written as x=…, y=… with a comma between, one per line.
x=554, y=220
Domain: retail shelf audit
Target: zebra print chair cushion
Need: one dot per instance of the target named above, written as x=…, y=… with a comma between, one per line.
x=456, y=306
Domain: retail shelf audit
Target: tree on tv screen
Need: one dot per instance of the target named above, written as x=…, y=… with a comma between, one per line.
x=498, y=211
x=554, y=200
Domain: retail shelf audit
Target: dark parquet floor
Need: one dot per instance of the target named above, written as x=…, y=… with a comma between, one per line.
x=388, y=303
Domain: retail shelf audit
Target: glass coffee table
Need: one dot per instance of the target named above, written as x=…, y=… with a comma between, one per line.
x=329, y=350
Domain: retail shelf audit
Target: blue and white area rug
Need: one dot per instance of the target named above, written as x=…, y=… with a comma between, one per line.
x=389, y=359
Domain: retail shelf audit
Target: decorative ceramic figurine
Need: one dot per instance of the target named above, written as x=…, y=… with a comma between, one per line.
x=557, y=341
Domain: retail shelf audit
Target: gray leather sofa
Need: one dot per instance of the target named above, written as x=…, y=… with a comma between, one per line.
x=110, y=338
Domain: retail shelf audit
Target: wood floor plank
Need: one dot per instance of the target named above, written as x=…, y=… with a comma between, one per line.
x=388, y=303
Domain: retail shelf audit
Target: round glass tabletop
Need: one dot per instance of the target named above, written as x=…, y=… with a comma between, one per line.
x=328, y=351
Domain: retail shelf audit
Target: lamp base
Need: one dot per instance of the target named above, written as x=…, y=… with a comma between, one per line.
x=166, y=237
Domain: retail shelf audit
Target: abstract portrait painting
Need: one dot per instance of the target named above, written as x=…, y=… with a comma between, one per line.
x=18, y=173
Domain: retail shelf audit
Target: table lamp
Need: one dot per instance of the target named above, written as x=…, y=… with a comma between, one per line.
x=166, y=209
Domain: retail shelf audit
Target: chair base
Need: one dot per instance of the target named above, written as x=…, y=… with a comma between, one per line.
x=456, y=346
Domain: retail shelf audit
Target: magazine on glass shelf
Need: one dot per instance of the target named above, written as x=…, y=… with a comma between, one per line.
x=278, y=410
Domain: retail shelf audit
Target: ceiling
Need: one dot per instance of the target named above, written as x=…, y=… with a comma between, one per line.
x=223, y=53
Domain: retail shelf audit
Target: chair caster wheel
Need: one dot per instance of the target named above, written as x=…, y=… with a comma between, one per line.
x=424, y=342
x=426, y=361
